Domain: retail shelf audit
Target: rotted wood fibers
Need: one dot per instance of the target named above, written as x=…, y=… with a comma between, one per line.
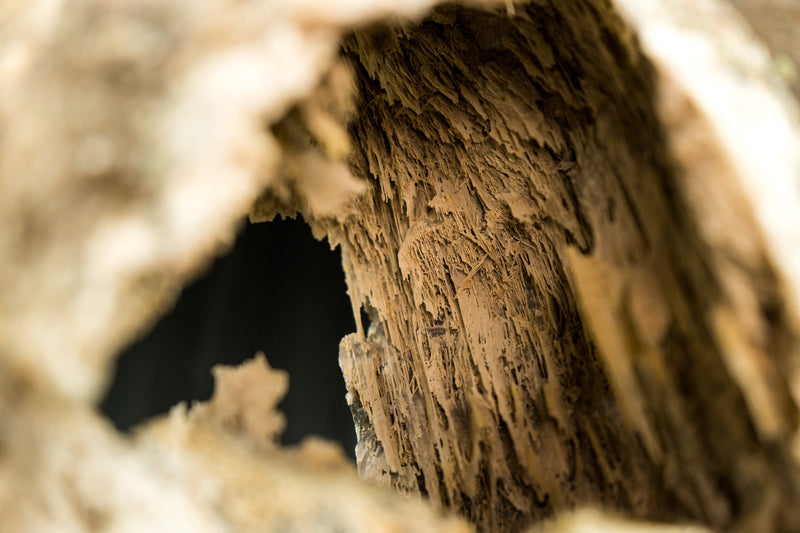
x=582, y=279
x=539, y=296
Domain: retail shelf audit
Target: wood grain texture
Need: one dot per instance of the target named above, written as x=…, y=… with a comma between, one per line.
x=579, y=272
x=548, y=326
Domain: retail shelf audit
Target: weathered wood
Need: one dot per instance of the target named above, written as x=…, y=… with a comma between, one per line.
x=581, y=288
x=557, y=319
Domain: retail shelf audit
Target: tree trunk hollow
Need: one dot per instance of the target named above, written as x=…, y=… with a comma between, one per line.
x=549, y=329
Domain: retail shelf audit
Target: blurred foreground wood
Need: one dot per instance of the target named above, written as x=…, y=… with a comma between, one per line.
x=574, y=227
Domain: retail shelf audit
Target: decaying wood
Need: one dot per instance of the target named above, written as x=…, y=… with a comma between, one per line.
x=571, y=304
x=575, y=234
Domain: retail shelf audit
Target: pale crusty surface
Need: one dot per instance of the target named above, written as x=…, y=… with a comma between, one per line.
x=228, y=447
x=214, y=469
x=245, y=402
x=135, y=138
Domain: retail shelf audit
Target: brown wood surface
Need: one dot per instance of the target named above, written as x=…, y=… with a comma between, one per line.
x=577, y=293
x=550, y=325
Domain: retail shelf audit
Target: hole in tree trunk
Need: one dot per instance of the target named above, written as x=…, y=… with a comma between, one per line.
x=279, y=291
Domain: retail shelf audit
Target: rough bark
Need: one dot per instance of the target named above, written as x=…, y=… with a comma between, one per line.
x=570, y=299
x=577, y=242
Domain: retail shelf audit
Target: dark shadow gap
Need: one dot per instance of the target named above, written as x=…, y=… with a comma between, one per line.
x=279, y=291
